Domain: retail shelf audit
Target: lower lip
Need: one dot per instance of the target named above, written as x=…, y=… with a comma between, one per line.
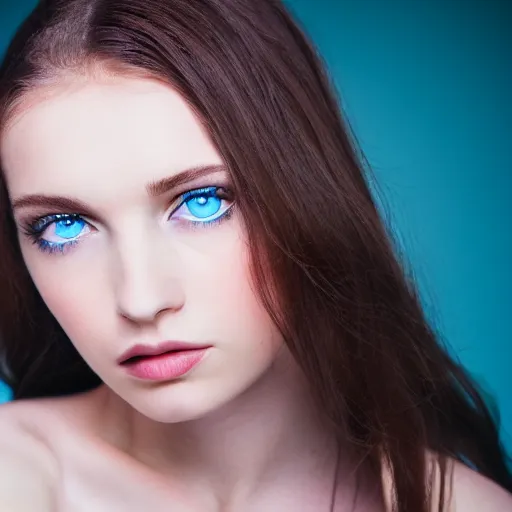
x=168, y=366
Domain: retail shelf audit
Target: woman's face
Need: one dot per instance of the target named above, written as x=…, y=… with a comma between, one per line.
x=127, y=247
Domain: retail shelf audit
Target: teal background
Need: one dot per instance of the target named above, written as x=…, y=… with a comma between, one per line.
x=426, y=86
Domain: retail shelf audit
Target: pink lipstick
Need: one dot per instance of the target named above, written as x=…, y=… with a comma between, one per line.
x=167, y=361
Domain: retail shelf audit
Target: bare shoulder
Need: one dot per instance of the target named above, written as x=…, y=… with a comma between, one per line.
x=473, y=492
x=28, y=472
x=468, y=491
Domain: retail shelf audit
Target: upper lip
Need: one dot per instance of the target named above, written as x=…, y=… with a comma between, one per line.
x=161, y=348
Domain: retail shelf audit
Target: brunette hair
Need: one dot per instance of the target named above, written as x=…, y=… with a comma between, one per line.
x=345, y=306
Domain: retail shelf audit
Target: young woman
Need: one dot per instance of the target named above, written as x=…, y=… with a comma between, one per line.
x=199, y=304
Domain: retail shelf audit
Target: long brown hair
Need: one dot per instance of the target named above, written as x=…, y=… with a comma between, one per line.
x=340, y=296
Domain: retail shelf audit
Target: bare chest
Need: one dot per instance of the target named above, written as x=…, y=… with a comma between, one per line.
x=114, y=488
x=107, y=485
x=96, y=478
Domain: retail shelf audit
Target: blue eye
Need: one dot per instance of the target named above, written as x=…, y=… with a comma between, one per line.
x=204, y=206
x=55, y=233
x=69, y=228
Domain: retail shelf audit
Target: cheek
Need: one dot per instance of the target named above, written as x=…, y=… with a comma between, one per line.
x=229, y=305
x=74, y=293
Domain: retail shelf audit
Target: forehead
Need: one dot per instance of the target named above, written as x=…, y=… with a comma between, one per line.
x=136, y=128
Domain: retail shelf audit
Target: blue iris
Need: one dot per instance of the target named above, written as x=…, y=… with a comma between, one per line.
x=204, y=206
x=69, y=228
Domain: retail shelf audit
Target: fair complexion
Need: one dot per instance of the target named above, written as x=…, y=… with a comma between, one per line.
x=121, y=258
x=141, y=265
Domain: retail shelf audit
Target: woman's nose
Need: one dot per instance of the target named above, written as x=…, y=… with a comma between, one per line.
x=148, y=284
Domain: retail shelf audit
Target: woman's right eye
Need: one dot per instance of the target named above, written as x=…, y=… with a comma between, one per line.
x=55, y=233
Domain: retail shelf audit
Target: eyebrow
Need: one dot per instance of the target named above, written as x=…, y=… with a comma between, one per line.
x=154, y=189
x=160, y=187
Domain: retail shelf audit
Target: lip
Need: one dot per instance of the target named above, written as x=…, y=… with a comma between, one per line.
x=161, y=348
x=164, y=367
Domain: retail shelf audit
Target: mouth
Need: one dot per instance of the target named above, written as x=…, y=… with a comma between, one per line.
x=166, y=362
x=146, y=352
x=136, y=359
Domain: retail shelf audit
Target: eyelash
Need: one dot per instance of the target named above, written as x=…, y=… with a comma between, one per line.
x=36, y=228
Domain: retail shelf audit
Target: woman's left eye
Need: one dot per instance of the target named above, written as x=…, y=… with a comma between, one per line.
x=203, y=206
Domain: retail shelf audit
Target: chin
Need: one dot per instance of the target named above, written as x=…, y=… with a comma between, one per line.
x=191, y=399
x=174, y=403
x=172, y=415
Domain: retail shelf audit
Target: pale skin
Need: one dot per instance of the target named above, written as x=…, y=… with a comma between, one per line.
x=238, y=432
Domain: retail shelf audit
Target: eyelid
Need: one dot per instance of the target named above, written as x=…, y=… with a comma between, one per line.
x=27, y=225
x=205, y=182
x=32, y=218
